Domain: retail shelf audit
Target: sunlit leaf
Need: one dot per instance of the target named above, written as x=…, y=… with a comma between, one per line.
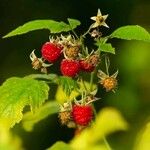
x=16, y=93
x=108, y=121
x=131, y=32
x=60, y=146
x=30, y=118
x=143, y=139
x=9, y=141
x=62, y=97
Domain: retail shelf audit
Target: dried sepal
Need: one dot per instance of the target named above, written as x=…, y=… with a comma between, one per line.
x=71, y=46
x=102, y=75
x=96, y=34
x=38, y=63
x=67, y=106
x=65, y=113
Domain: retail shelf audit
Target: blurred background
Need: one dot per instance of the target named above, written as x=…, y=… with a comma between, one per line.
x=132, y=59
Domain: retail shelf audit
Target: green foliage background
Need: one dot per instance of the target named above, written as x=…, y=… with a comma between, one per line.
x=132, y=60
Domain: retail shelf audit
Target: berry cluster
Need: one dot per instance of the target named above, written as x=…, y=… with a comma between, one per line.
x=72, y=63
x=75, y=57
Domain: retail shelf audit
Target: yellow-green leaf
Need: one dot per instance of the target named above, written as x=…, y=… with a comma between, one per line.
x=108, y=120
x=143, y=139
x=61, y=95
x=30, y=118
x=16, y=93
x=60, y=146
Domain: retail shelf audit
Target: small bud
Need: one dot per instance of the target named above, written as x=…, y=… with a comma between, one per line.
x=96, y=34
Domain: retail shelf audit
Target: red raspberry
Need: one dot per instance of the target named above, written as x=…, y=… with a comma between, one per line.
x=86, y=66
x=82, y=115
x=70, y=68
x=51, y=51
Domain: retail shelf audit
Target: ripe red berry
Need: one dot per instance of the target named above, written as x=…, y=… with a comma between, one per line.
x=51, y=51
x=82, y=115
x=86, y=66
x=69, y=68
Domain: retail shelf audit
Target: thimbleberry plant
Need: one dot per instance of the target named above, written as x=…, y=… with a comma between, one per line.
x=79, y=73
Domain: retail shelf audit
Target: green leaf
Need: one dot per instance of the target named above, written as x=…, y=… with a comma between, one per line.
x=60, y=146
x=131, y=32
x=143, y=139
x=73, y=23
x=68, y=84
x=30, y=119
x=51, y=25
x=109, y=120
x=106, y=47
x=8, y=140
x=62, y=97
x=51, y=77
x=16, y=93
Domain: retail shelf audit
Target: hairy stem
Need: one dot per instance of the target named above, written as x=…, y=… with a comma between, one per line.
x=87, y=31
x=75, y=34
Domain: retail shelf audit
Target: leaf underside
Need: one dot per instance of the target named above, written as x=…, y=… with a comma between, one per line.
x=30, y=119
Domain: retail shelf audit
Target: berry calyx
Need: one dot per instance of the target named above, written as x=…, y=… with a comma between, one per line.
x=51, y=51
x=82, y=115
x=109, y=83
x=94, y=59
x=71, y=52
x=69, y=68
x=89, y=64
x=86, y=66
x=64, y=117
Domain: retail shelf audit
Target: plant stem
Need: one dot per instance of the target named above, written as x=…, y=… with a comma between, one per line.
x=82, y=45
x=87, y=31
x=84, y=84
x=75, y=34
x=107, y=144
x=107, y=63
x=91, y=81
